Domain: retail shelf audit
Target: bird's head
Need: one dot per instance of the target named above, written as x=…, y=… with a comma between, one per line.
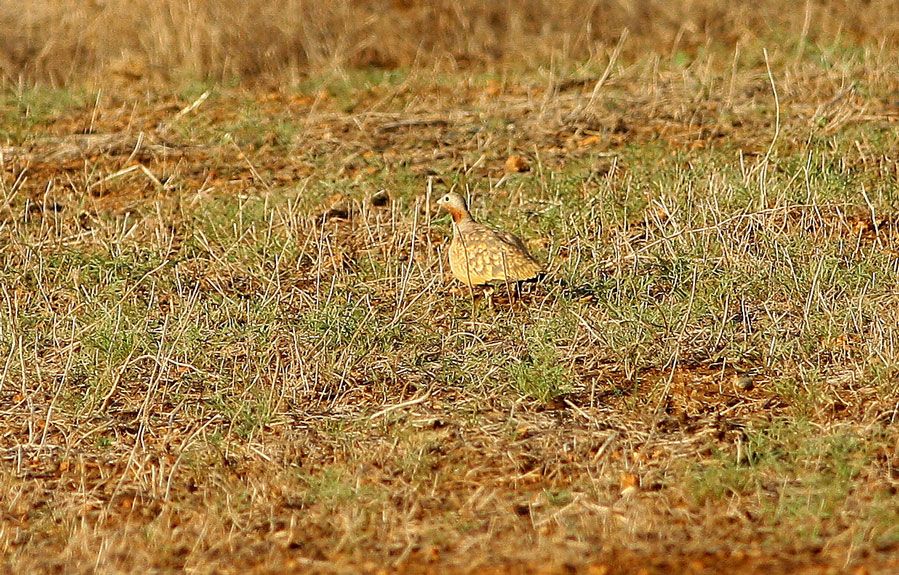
x=454, y=204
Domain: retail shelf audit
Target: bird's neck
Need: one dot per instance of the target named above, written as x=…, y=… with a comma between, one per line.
x=460, y=216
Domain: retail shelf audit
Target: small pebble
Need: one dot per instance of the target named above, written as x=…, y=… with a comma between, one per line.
x=743, y=382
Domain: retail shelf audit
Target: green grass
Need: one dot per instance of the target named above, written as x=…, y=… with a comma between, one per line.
x=795, y=478
x=541, y=374
x=23, y=111
x=260, y=378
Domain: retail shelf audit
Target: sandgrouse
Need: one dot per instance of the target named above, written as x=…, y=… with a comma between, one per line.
x=479, y=255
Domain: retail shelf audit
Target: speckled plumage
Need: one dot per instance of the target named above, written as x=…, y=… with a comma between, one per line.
x=479, y=255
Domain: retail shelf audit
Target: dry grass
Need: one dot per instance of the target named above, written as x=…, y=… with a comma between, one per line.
x=65, y=42
x=219, y=354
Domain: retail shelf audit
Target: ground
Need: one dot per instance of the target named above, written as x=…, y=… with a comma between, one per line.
x=229, y=340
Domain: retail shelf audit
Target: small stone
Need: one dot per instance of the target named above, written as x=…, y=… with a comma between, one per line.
x=380, y=199
x=743, y=382
x=629, y=484
x=516, y=164
x=337, y=208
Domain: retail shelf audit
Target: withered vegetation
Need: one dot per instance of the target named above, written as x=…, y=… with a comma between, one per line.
x=229, y=341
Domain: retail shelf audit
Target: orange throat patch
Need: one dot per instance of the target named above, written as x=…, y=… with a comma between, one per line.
x=458, y=215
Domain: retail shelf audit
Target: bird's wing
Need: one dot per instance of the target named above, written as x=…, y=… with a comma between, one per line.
x=514, y=242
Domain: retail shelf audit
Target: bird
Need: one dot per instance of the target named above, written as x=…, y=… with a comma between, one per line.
x=479, y=255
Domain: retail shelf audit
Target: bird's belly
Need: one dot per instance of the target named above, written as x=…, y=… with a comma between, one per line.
x=465, y=269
